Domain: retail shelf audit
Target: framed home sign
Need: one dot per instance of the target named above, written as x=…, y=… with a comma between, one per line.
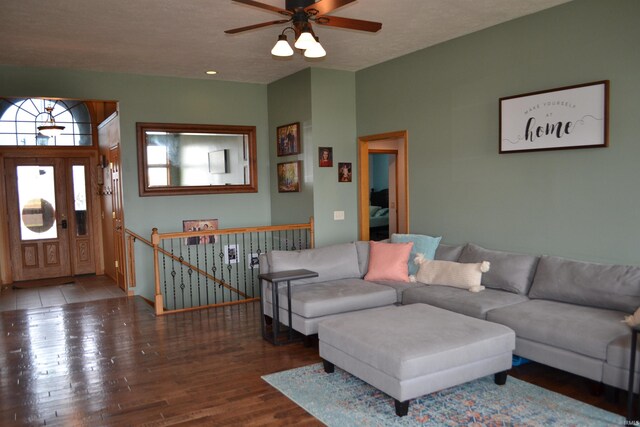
x=556, y=119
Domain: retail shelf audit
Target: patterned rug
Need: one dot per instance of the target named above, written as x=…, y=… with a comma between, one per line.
x=340, y=399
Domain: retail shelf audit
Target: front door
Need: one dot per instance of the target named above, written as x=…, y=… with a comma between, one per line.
x=49, y=220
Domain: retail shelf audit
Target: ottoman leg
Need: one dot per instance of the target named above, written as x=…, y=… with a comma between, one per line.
x=402, y=408
x=500, y=378
x=328, y=366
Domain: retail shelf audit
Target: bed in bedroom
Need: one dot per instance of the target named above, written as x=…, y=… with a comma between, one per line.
x=379, y=214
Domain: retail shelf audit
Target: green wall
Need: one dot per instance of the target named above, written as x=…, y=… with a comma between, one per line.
x=290, y=102
x=576, y=203
x=323, y=101
x=169, y=100
x=334, y=123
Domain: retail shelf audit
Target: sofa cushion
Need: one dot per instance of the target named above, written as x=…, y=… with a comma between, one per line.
x=510, y=271
x=400, y=287
x=448, y=252
x=330, y=262
x=362, y=247
x=336, y=296
x=448, y=273
x=576, y=328
x=388, y=261
x=615, y=287
x=460, y=300
x=422, y=244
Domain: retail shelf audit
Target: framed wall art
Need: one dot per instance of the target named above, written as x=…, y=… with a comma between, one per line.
x=556, y=119
x=344, y=172
x=288, y=139
x=289, y=177
x=325, y=157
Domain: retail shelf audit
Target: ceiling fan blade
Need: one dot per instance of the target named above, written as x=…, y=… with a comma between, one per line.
x=353, y=24
x=252, y=27
x=265, y=6
x=326, y=6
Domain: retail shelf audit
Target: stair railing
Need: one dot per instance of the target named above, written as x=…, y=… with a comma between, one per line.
x=201, y=269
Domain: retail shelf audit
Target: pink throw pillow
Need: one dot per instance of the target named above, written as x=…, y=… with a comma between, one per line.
x=388, y=261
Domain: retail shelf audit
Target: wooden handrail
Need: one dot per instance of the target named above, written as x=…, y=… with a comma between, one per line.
x=184, y=234
x=157, y=237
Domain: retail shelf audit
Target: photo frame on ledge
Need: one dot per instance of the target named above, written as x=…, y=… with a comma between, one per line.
x=556, y=119
x=288, y=139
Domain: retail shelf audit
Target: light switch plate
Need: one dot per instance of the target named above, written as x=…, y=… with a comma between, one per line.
x=338, y=215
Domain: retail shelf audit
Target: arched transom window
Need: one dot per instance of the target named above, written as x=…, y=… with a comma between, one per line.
x=20, y=118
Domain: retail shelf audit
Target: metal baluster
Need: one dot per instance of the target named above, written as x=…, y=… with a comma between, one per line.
x=206, y=269
x=244, y=262
x=182, y=285
x=173, y=275
x=214, y=270
x=223, y=249
x=164, y=270
x=253, y=273
x=190, y=274
x=238, y=264
x=198, y=275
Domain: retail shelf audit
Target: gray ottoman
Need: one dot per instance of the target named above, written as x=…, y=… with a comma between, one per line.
x=416, y=349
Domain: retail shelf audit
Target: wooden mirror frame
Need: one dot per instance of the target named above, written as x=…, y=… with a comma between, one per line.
x=252, y=161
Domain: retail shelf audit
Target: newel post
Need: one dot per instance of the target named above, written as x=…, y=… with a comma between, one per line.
x=312, y=235
x=155, y=240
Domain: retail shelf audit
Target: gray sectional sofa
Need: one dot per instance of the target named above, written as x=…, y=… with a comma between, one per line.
x=566, y=314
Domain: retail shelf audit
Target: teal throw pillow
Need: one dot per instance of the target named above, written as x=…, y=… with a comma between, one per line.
x=422, y=244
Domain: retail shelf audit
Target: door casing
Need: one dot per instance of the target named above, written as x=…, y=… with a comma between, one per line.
x=391, y=141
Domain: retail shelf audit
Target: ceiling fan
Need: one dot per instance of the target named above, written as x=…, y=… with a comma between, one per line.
x=301, y=13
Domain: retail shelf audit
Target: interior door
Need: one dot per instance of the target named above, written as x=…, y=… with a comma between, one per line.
x=38, y=218
x=117, y=215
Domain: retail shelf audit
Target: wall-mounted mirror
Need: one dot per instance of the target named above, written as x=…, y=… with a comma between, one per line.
x=176, y=159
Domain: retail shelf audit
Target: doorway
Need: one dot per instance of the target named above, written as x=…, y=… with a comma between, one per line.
x=50, y=217
x=383, y=201
x=383, y=156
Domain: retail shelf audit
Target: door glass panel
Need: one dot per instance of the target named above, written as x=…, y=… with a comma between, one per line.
x=80, y=199
x=37, y=201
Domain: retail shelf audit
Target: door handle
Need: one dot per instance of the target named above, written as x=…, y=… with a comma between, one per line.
x=63, y=223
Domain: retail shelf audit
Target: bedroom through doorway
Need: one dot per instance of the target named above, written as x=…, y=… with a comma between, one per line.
x=383, y=171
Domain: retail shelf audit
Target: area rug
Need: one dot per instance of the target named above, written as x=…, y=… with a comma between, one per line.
x=340, y=399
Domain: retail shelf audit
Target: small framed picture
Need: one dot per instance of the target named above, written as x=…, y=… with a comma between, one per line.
x=199, y=225
x=289, y=177
x=344, y=172
x=253, y=261
x=325, y=156
x=288, y=139
x=231, y=254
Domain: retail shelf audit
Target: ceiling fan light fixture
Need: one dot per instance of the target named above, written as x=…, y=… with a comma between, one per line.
x=305, y=40
x=49, y=127
x=315, y=51
x=282, y=47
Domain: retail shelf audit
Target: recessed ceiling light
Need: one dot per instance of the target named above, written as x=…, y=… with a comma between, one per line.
x=211, y=72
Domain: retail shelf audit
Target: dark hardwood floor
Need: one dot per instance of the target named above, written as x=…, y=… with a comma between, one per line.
x=113, y=362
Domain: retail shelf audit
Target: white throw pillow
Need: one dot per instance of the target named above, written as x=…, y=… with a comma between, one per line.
x=448, y=273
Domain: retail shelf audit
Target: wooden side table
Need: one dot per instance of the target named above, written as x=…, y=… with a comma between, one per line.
x=275, y=279
x=632, y=367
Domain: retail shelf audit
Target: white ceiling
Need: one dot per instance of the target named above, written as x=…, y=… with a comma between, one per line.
x=185, y=38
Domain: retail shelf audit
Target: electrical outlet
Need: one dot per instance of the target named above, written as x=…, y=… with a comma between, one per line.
x=338, y=215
